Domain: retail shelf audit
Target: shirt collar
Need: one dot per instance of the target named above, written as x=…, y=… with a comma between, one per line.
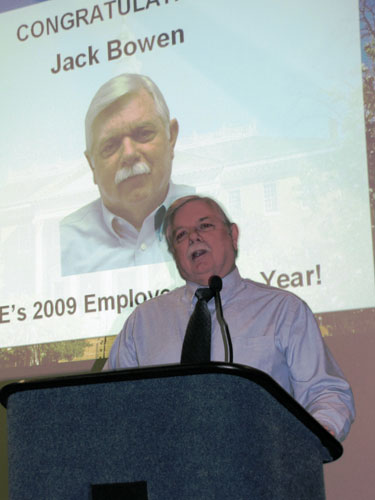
x=231, y=284
x=121, y=228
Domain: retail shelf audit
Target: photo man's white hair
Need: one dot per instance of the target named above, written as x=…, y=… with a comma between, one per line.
x=117, y=87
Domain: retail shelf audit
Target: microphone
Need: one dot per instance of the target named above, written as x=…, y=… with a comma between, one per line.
x=215, y=284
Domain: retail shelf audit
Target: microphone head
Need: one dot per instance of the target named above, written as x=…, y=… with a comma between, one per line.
x=215, y=283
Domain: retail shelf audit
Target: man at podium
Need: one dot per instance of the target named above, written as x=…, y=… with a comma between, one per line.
x=270, y=329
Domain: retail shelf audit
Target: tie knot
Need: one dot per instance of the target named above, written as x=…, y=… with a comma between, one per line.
x=204, y=293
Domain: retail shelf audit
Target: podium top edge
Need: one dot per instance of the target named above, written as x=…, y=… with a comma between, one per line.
x=254, y=375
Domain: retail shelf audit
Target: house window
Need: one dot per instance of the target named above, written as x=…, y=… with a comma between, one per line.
x=270, y=198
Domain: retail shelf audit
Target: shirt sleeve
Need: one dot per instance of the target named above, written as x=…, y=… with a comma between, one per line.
x=318, y=383
x=123, y=351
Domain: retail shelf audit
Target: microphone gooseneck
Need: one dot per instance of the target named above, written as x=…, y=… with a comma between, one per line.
x=215, y=284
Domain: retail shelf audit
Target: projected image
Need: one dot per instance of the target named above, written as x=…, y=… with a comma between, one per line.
x=130, y=142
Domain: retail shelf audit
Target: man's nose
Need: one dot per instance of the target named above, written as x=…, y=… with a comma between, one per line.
x=129, y=150
x=194, y=235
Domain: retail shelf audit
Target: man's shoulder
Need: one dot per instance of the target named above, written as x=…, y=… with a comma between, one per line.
x=86, y=214
x=166, y=298
x=265, y=291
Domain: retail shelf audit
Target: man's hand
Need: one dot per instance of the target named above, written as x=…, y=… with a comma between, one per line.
x=329, y=430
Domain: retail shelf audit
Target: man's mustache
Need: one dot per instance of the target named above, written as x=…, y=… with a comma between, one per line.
x=126, y=172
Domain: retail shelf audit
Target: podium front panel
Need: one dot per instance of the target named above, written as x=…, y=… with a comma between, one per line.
x=198, y=436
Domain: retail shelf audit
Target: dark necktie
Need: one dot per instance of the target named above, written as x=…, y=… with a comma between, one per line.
x=197, y=342
x=159, y=217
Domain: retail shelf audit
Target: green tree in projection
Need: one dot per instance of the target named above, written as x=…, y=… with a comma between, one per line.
x=42, y=354
x=367, y=18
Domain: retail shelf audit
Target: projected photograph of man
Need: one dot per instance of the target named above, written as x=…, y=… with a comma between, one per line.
x=130, y=141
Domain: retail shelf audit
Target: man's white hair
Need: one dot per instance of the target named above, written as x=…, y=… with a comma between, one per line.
x=117, y=87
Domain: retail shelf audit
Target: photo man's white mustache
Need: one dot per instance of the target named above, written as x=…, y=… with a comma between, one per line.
x=126, y=172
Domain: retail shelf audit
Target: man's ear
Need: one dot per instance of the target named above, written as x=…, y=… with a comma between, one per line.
x=91, y=166
x=173, y=133
x=234, y=233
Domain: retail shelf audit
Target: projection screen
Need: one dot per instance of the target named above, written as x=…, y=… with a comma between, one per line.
x=268, y=97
